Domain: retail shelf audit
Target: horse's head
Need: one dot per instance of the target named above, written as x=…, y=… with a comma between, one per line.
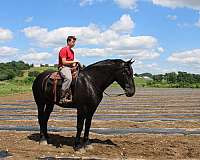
x=124, y=77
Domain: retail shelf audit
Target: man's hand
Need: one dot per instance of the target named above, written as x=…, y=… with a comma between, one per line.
x=74, y=64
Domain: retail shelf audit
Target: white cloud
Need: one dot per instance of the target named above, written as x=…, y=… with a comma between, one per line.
x=89, y=2
x=198, y=23
x=29, y=19
x=139, y=54
x=135, y=52
x=91, y=34
x=172, y=17
x=124, y=25
x=93, y=41
x=131, y=43
x=141, y=67
x=93, y=52
x=5, y=34
x=4, y=60
x=132, y=4
x=193, y=4
x=184, y=25
x=160, y=49
x=191, y=57
x=141, y=47
x=86, y=2
x=58, y=36
x=6, y=51
x=126, y=4
x=34, y=56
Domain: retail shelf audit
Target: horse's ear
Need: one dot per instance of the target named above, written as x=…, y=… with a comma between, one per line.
x=131, y=61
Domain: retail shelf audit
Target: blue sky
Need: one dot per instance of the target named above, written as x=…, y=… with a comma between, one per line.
x=161, y=35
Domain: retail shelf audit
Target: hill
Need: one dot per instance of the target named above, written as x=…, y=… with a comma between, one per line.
x=17, y=77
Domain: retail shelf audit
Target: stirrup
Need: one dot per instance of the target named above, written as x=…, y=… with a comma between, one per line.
x=65, y=101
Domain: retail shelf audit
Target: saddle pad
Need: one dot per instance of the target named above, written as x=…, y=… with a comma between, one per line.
x=55, y=75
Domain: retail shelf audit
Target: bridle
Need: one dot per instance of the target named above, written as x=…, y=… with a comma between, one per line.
x=120, y=94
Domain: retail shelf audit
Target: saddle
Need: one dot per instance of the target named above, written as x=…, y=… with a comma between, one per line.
x=54, y=81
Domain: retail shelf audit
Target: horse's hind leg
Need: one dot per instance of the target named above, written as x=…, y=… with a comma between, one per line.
x=44, y=112
x=80, y=122
x=41, y=107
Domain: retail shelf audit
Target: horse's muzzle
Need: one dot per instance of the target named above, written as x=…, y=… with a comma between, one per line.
x=129, y=92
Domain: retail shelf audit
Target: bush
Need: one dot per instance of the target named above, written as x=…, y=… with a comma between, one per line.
x=10, y=69
x=20, y=74
x=28, y=80
x=51, y=70
x=6, y=74
x=3, y=76
x=33, y=73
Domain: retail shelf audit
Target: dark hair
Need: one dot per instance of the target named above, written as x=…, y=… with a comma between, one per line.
x=69, y=38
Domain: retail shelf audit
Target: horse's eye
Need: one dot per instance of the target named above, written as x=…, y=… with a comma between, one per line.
x=128, y=72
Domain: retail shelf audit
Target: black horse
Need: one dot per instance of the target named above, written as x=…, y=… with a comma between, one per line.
x=88, y=93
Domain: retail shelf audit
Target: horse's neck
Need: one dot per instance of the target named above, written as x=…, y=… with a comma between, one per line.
x=101, y=78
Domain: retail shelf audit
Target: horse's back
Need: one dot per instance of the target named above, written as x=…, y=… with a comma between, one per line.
x=39, y=79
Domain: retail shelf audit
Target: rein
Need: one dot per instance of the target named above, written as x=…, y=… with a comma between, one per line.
x=114, y=95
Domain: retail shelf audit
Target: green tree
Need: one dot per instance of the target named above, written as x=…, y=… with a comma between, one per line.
x=157, y=78
x=171, y=77
x=33, y=73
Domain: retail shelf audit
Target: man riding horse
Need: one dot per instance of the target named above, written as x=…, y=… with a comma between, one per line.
x=88, y=90
x=66, y=62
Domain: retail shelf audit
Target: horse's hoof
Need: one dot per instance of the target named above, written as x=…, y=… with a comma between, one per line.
x=80, y=151
x=77, y=147
x=43, y=142
x=88, y=145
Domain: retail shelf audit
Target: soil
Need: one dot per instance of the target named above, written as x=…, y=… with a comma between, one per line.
x=179, y=107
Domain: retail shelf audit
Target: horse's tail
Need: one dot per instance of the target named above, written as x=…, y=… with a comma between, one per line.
x=38, y=88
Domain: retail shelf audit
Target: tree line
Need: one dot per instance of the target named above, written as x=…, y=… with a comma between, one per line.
x=173, y=79
x=180, y=79
x=12, y=69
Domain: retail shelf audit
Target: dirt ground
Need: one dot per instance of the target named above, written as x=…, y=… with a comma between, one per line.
x=158, y=109
x=25, y=145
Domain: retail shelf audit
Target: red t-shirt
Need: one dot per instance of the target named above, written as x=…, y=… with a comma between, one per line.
x=67, y=53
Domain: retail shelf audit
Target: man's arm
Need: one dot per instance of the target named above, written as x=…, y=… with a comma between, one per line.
x=68, y=62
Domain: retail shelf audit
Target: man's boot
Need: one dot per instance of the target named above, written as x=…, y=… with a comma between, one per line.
x=65, y=97
x=69, y=95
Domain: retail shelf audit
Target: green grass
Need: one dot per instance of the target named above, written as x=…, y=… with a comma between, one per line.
x=9, y=88
x=20, y=84
x=41, y=69
x=140, y=82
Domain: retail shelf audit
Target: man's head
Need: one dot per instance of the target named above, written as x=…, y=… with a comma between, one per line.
x=71, y=41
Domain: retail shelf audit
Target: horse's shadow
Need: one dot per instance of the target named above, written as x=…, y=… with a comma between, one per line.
x=58, y=141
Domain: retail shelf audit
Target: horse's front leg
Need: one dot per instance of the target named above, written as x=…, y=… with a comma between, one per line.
x=87, y=130
x=80, y=122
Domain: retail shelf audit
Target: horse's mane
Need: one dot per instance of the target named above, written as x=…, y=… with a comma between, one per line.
x=103, y=63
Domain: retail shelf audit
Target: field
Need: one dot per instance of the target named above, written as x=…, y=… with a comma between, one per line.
x=155, y=124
